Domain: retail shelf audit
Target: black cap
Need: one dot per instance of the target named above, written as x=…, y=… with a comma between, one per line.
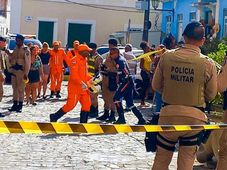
x=113, y=42
x=2, y=39
x=92, y=45
x=194, y=30
x=20, y=37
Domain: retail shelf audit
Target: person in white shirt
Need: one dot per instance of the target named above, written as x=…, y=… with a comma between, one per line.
x=128, y=55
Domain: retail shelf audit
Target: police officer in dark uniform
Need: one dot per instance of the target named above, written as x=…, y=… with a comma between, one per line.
x=125, y=88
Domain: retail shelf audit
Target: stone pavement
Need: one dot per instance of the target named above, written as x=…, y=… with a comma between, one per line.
x=82, y=152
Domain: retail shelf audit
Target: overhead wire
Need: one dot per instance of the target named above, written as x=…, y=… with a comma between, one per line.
x=106, y=8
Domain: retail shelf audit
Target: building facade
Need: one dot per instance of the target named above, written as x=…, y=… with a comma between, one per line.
x=67, y=20
x=4, y=17
x=212, y=13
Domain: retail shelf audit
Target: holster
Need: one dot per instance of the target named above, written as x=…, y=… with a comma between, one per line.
x=151, y=137
x=204, y=136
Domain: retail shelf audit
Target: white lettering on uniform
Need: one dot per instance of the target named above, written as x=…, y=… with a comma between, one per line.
x=182, y=74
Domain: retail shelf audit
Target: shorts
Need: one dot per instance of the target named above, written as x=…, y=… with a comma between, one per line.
x=46, y=69
x=34, y=76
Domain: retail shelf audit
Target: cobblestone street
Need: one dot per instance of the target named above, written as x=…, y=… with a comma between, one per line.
x=87, y=152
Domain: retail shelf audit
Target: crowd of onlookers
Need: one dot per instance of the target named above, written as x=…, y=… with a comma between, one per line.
x=39, y=72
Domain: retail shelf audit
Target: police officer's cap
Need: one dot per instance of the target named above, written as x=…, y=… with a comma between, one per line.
x=194, y=30
x=2, y=39
x=20, y=37
x=113, y=42
x=92, y=45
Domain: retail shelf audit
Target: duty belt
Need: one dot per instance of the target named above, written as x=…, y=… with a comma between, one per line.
x=200, y=108
x=104, y=73
x=17, y=67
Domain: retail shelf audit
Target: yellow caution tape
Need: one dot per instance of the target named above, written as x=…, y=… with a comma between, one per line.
x=69, y=128
x=147, y=54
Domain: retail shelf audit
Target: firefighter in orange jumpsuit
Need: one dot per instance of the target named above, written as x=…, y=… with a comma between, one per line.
x=74, y=51
x=79, y=80
x=57, y=56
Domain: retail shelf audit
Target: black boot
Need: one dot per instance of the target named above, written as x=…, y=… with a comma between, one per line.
x=58, y=94
x=51, y=94
x=55, y=116
x=19, y=107
x=104, y=116
x=93, y=112
x=14, y=107
x=112, y=117
x=139, y=116
x=120, y=111
x=121, y=119
x=83, y=117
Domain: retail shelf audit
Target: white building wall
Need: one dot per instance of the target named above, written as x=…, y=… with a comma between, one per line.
x=4, y=21
x=15, y=16
x=25, y=15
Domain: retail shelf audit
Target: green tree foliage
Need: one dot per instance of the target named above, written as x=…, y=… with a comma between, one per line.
x=219, y=55
x=210, y=46
x=215, y=49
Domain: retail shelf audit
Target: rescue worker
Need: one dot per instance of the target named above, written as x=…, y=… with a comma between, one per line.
x=109, y=85
x=57, y=56
x=77, y=86
x=222, y=86
x=74, y=51
x=20, y=61
x=186, y=79
x=94, y=62
x=125, y=88
x=2, y=76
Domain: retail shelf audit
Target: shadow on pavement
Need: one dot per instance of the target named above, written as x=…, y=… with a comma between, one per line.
x=8, y=95
x=202, y=167
x=69, y=119
x=56, y=100
x=7, y=113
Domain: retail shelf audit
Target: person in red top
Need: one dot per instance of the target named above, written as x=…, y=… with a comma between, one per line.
x=79, y=80
x=57, y=56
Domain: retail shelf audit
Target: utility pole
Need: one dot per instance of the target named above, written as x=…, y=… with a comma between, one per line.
x=147, y=23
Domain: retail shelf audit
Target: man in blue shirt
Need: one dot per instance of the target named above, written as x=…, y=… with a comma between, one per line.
x=125, y=88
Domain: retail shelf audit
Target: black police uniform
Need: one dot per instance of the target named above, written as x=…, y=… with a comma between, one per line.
x=125, y=90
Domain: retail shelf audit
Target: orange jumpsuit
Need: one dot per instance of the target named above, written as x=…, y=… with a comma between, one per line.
x=78, y=75
x=56, y=69
x=71, y=55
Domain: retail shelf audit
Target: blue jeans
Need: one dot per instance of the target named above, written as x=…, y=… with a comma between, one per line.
x=158, y=102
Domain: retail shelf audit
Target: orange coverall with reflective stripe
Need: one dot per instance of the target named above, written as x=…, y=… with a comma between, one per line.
x=70, y=55
x=78, y=74
x=56, y=69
